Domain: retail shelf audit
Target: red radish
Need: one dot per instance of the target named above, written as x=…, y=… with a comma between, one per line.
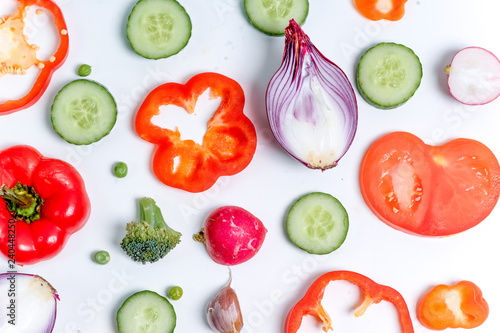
x=232, y=235
x=474, y=76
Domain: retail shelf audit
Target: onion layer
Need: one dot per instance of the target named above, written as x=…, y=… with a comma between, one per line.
x=29, y=302
x=311, y=105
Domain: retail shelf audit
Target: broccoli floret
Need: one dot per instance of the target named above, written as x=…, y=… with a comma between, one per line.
x=150, y=239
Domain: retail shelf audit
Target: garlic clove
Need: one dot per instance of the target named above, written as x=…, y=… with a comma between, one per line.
x=224, y=313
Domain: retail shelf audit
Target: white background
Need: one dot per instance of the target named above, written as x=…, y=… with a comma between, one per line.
x=277, y=277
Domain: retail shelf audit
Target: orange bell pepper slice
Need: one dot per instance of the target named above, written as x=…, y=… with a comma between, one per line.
x=392, y=10
x=372, y=293
x=228, y=145
x=458, y=306
x=17, y=55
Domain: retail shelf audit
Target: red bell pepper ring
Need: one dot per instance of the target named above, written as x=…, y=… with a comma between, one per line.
x=42, y=202
x=228, y=145
x=310, y=304
x=458, y=306
x=22, y=55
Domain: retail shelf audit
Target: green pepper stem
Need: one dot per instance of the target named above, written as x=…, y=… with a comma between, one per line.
x=22, y=202
x=8, y=194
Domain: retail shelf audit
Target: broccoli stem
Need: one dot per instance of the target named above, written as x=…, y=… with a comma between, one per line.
x=150, y=213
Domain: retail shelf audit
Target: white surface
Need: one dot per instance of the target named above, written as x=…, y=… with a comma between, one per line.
x=274, y=280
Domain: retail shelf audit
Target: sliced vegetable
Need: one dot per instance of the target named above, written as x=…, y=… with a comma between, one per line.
x=120, y=169
x=158, y=28
x=273, y=16
x=29, y=303
x=228, y=145
x=317, y=223
x=392, y=10
x=146, y=311
x=372, y=293
x=42, y=201
x=18, y=55
x=223, y=312
x=474, y=76
x=150, y=239
x=83, y=112
x=175, y=293
x=102, y=257
x=232, y=235
x=388, y=75
x=429, y=190
x=84, y=70
x=458, y=306
x=311, y=106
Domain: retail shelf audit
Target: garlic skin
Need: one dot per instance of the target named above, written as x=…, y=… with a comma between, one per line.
x=224, y=313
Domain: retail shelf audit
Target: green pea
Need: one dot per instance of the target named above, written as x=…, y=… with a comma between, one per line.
x=84, y=70
x=102, y=257
x=120, y=170
x=175, y=293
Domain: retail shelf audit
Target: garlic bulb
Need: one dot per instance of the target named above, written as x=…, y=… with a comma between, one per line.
x=223, y=312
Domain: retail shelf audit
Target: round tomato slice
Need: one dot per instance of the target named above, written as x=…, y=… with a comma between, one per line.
x=429, y=190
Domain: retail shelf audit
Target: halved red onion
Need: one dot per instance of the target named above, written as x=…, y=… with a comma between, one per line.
x=311, y=105
x=29, y=304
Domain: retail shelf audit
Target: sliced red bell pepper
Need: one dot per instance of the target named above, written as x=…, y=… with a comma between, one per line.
x=42, y=202
x=310, y=304
x=228, y=145
x=458, y=306
x=375, y=10
x=22, y=55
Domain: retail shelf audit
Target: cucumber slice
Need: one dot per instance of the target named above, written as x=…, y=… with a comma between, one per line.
x=317, y=223
x=146, y=312
x=83, y=112
x=158, y=28
x=388, y=75
x=273, y=16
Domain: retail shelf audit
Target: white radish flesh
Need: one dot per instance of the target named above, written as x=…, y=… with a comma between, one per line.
x=474, y=76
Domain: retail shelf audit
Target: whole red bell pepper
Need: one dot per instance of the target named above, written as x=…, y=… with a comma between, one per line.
x=310, y=304
x=21, y=56
x=42, y=202
x=458, y=306
x=228, y=145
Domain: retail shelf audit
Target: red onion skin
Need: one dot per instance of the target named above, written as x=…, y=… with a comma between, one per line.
x=52, y=321
x=297, y=46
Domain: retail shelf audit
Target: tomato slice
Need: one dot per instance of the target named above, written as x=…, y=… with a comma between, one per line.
x=429, y=190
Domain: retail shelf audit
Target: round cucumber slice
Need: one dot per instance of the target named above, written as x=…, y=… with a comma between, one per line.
x=388, y=75
x=158, y=28
x=317, y=223
x=83, y=112
x=273, y=16
x=146, y=312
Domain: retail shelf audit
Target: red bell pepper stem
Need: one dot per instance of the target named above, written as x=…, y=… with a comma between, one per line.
x=372, y=293
x=49, y=67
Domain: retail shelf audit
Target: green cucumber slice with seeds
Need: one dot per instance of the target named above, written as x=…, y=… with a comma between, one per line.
x=83, y=112
x=146, y=312
x=317, y=223
x=388, y=75
x=158, y=28
x=273, y=16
